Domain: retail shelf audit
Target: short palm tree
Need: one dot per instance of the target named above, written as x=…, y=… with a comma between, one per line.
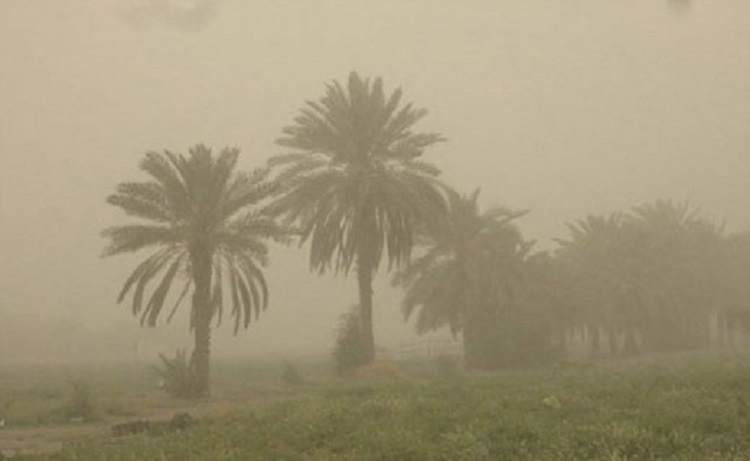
x=354, y=184
x=198, y=214
x=471, y=266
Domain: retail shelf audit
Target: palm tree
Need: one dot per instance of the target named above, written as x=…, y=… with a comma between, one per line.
x=354, y=184
x=605, y=274
x=733, y=313
x=470, y=269
x=682, y=251
x=196, y=211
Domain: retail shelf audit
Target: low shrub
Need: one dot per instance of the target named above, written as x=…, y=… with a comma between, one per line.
x=81, y=403
x=447, y=366
x=291, y=375
x=177, y=375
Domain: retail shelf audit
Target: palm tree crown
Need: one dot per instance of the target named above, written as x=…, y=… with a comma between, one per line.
x=354, y=180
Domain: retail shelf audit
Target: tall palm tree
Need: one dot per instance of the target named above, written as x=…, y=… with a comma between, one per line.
x=470, y=269
x=197, y=213
x=354, y=184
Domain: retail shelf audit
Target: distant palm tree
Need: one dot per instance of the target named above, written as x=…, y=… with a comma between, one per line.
x=682, y=251
x=197, y=212
x=601, y=256
x=355, y=185
x=471, y=268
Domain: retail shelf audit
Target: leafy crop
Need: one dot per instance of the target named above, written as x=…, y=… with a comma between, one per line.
x=644, y=412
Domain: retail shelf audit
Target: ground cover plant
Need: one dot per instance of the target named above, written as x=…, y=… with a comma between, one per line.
x=664, y=409
x=44, y=406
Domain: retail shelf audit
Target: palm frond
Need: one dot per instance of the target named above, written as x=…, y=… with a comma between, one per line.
x=145, y=200
x=162, y=167
x=135, y=237
x=144, y=268
x=156, y=302
x=177, y=303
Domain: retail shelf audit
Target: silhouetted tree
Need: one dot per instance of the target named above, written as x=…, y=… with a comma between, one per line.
x=468, y=273
x=604, y=273
x=354, y=184
x=681, y=254
x=198, y=213
x=733, y=304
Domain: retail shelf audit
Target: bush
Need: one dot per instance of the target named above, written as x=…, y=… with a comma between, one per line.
x=177, y=374
x=80, y=403
x=496, y=342
x=348, y=352
x=290, y=375
x=668, y=410
x=447, y=366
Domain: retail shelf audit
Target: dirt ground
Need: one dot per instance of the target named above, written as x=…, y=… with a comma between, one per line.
x=46, y=439
x=50, y=439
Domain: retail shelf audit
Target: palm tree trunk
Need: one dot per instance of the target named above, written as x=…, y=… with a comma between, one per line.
x=201, y=260
x=364, y=281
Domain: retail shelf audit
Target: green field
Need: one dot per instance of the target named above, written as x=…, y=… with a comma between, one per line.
x=673, y=408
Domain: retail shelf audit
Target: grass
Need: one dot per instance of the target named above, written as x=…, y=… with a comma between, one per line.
x=682, y=409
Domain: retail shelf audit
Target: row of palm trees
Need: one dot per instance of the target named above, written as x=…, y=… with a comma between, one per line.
x=354, y=188
x=660, y=277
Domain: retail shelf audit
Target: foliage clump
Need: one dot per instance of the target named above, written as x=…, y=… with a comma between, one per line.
x=178, y=375
x=291, y=375
x=81, y=402
x=446, y=366
x=664, y=411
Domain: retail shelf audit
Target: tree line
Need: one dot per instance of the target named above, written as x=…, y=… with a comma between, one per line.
x=353, y=187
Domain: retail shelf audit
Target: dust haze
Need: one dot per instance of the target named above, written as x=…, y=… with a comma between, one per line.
x=561, y=108
x=186, y=16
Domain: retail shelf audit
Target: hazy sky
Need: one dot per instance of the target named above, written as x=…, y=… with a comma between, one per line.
x=563, y=107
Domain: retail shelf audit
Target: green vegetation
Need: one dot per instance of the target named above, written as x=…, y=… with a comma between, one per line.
x=176, y=374
x=673, y=409
x=81, y=402
x=291, y=375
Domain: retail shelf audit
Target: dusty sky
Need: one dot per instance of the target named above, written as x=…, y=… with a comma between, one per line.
x=562, y=107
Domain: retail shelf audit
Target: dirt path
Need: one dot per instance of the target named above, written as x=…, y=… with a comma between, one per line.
x=46, y=439
x=50, y=439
